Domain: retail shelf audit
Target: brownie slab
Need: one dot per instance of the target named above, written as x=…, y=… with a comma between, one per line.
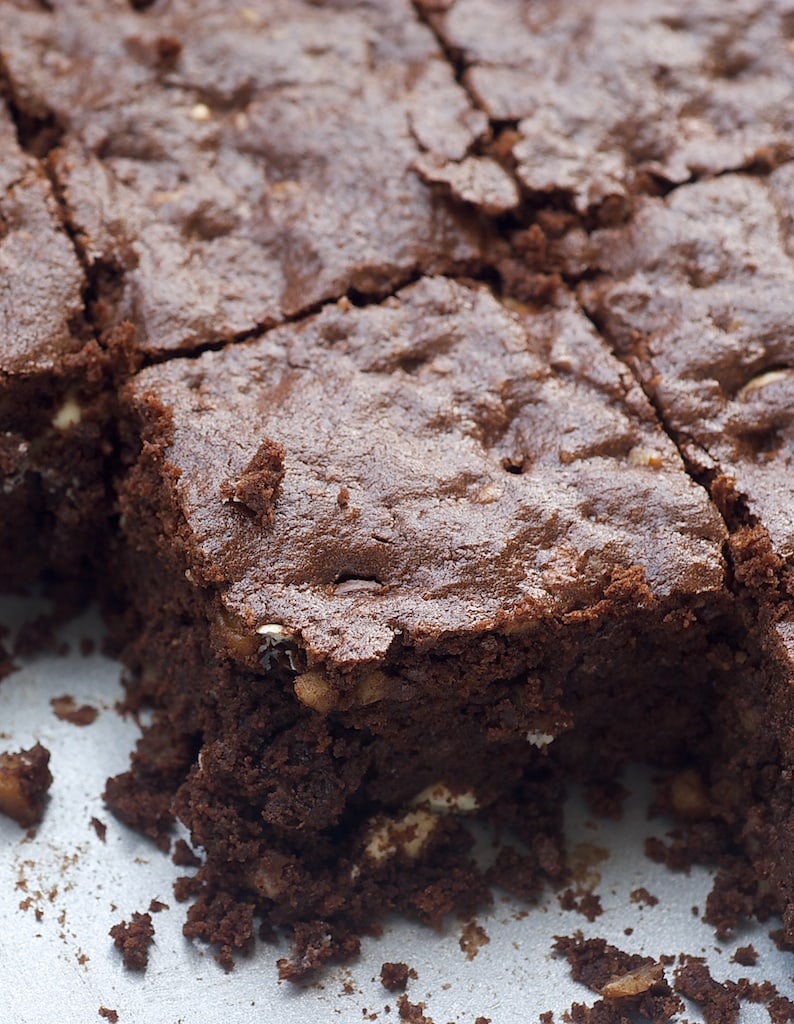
x=607, y=101
x=381, y=561
x=51, y=432
x=696, y=296
x=209, y=206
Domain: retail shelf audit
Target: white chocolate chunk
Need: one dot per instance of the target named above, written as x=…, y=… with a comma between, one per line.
x=440, y=799
x=201, y=112
x=762, y=380
x=406, y=835
x=274, y=633
x=540, y=739
x=69, y=415
x=645, y=457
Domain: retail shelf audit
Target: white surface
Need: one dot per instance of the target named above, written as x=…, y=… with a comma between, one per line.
x=62, y=968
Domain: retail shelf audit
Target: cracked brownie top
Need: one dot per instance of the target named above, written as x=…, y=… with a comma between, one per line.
x=430, y=466
x=697, y=298
x=40, y=279
x=605, y=95
x=211, y=206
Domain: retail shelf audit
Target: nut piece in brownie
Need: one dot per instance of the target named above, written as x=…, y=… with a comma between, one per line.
x=696, y=295
x=25, y=780
x=604, y=101
x=211, y=205
x=470, y=533
x=51, y=433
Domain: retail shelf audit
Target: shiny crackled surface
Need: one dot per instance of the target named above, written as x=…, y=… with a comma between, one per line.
x=448, y=463
x=609, y=97
x=696, y=296
x=212, y=206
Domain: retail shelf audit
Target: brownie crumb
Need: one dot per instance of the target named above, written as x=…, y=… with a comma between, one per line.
x=588, y=905
x=257, y=488
x=643, y=897
x=626, y=981
x=547, y=1017
x=781, y=1010
x=483, y=1020
x=111, y=1015
x=412, y=1013
x=472, y=940
x=747, y=956
x=133, y=938
x=183, y=856
x=25, y=780
x=67, y=710
x=156, y=906
x=719, y=1003
x=394, y=977
x=100, y=828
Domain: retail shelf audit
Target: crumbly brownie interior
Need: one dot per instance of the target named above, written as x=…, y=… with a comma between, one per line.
x=482, y=483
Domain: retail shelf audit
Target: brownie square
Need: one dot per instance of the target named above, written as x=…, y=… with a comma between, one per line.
x=208, y=206
x=382, y=559
x=51, y=431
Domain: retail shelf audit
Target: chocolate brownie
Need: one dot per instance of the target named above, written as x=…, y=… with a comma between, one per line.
x=413, y=547
x=696, y=297
x=604, y=101
x=208, y=206
x=400, y=549
x=51, y=432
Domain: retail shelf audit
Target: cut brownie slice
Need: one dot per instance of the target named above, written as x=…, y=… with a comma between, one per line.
x=424, y=538
x=697, y=297
x=51, y=428
x=608, y=99
x=211, y=205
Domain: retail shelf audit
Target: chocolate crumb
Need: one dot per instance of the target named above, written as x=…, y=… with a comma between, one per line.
x=183, y=856
x=781, y=1010
x=156, y=906
x=472, y=940
x=66, y=709
x=257, y=488
x=412, y=1013
x=100, y=828
x=643, y=897
x=133, y=938
x=588, y=905
x=719, y=1003
x=394, y=976
x=111, y=1015
x=746, y=956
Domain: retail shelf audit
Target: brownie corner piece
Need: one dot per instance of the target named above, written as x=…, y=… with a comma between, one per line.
x=472, y=521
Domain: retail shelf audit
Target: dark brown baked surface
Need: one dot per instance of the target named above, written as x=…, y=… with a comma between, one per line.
x=213, y=206
x=448, y=466
x=696, y=295
x=608, y=101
